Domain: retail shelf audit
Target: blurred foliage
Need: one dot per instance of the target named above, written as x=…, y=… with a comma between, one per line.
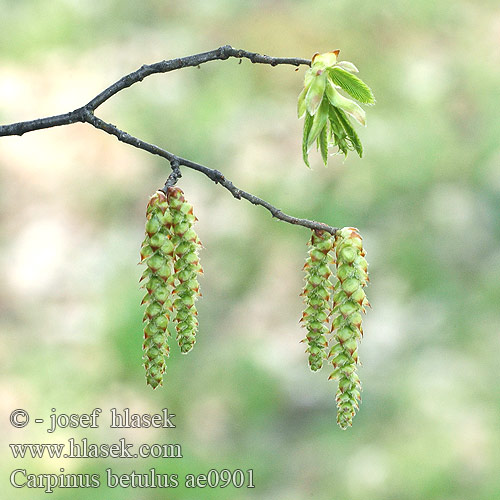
x=426, y=197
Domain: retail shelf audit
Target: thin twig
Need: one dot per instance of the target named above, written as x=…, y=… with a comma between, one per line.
x=78, y=115
x=174, y=176
x=221, y=53
x=212, y=174
x=86, y=114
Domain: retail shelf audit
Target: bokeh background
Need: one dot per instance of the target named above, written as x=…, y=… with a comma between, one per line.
x=426, y=198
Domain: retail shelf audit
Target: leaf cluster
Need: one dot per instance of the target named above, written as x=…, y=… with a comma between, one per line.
x=327, y=112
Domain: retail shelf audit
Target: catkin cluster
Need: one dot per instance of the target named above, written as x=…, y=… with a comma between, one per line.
x=316, y=295
x=349, y=301
x=170, y=279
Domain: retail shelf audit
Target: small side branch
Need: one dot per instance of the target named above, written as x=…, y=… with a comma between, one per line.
x=212, y=174
x=174, y=176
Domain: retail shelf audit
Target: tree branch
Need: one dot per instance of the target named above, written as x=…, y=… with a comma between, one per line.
x=212, y=174
x=40, y=123
x=78, y=115
x=86, y=114
x=222, y=53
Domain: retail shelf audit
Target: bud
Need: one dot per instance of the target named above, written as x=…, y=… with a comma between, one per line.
x=328, y=59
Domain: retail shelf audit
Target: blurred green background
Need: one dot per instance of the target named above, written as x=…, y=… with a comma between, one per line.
x=426, y=198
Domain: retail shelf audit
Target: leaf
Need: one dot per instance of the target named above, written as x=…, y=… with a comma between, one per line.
x=351, y=133
x=323, y=144
x=301, y=104
x=315, y=93
x=319, y=121
x=348, y=66
x=345, y=104
x=355, y=87
x=308, y=78
x=338, y=132
x=308, y=119
x=335, y=125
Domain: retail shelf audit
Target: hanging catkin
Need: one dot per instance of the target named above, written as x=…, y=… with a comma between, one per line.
x=158, y=253
x=187, y=267
x=316, y=295
x=349, y=301
x=170, y=251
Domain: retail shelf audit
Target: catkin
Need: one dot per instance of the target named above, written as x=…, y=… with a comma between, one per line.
x=349, y=301
x=186, y=266
x=316, y=295
x=170, y=251
x=157, y=252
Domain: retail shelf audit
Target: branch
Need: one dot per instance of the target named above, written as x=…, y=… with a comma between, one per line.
x=86, y=114
x=174, y=176
x=212, y=174
x=78, y=115
x=222, y=53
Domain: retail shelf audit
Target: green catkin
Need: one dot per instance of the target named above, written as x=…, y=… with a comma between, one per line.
x=316, y=295
x=349, y=301
x=157, y=252
x=187, y=267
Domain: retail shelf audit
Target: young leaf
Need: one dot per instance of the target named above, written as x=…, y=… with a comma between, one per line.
x=308, y=119
x=345, y=104
x=301, y=104
x=338, y=132
x=352, y=85
x=348, y=66
x=315, y=93
x=319, y=121
x=308, y=78
x=323, y=144
x=351, y=133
